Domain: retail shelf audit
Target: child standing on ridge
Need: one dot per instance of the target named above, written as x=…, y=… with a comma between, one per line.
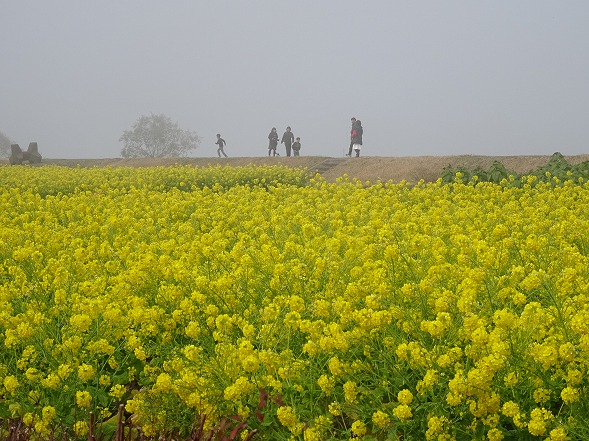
x=296, y=146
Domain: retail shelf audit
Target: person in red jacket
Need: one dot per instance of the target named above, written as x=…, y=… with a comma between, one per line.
x=357, y=132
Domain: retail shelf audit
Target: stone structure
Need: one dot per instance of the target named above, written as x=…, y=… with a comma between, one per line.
x=32, y=154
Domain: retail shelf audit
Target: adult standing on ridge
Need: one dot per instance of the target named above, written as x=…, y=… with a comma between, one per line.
x=357, y=132
x=221, y=143
x=287, y=139
x=351, y=138
x=272, y=141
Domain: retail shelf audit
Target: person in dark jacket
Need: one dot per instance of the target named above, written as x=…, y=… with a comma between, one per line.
x=351, y=138
x=287, y=139
x=221, y=143
x=272, y=141
x=296, y=147
x=357, y=132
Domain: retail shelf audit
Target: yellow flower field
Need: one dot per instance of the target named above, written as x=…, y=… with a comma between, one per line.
x=292, y=307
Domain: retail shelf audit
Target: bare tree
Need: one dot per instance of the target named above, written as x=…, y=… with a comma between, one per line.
x=156, y=136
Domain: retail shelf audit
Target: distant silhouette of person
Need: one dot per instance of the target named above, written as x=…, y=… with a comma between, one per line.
x=357, y=132
x=221, y=143
x=287, y=139
x=272, y=141
x=351, y=138
x=296, y=147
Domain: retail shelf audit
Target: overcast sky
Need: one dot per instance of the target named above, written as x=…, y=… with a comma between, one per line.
x=432, y=77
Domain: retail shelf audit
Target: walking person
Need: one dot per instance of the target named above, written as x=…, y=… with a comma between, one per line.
x=221, y=143
x=287, y=139
x=272, y=141
x=296, y=147
x=351, y=138
x=357, y=132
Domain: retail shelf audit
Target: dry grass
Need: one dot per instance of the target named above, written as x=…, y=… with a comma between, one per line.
x=368, y=168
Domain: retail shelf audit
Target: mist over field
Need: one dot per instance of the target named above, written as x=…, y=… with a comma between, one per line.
x=425, y=78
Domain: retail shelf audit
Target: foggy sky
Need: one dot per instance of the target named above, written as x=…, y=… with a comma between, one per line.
x=492, y=77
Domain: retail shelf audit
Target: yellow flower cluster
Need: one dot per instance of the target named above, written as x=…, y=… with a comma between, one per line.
x=55, y=180
x=333, y=311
